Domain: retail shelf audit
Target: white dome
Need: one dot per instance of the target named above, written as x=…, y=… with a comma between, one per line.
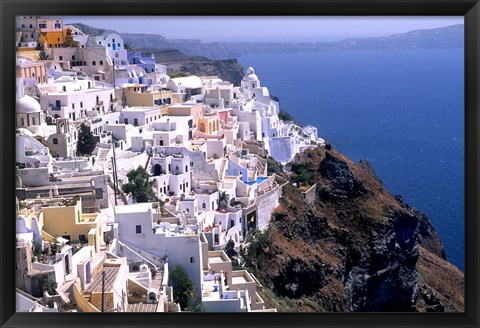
x=21, y=225
x=27, y=105
x=24, y=131
x=251, y=77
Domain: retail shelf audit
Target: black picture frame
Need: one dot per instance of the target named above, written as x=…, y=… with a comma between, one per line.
x=470, y=9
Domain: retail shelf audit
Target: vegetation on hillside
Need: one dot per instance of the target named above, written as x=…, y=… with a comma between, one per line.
x=86, y=141
x=139, y=185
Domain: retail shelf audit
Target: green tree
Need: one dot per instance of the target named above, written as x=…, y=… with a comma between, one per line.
x=231, y=252
x=86, y=141
x=183, y=289
x=196, y=305
x=139, y=185
x=42, y=55
x=255, y=255
x=223, y=199
x=128, y=46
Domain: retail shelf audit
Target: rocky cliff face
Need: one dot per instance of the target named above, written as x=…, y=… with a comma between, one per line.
x=358, y=248
x=444, y=37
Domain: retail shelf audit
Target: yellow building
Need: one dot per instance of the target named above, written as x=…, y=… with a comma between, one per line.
x=138, y=95
x=52, y=32
x=209, y=124
x=194, y=110
x=70, y=223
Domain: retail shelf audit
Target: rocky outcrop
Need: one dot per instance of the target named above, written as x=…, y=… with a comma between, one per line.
x=358, y=248
x=180, y=63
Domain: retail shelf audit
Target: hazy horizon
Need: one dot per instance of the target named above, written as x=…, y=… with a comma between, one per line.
x=262, y=28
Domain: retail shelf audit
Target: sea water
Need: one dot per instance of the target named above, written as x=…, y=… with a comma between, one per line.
x=402, y=110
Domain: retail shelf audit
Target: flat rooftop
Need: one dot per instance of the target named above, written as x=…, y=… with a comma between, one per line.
x=239, y=280
x=215, y=259
x=133, y=208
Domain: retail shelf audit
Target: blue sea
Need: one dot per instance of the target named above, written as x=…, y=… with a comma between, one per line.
x=402, y=110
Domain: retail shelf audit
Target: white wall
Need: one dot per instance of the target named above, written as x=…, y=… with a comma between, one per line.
x=282, y=149
x=179, y=249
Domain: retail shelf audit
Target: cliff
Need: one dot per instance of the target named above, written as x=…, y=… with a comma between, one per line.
x=357, y=248
x=178, y=63
x=444, y=38
x=181, y=64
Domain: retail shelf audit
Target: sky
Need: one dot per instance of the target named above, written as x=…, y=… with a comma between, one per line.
x=266, y=28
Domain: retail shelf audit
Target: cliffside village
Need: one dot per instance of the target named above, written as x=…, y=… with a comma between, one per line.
x=85, y=246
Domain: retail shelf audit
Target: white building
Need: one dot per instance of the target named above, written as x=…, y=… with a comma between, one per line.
x=138, y=230
x=76, y=98
x=114, y=45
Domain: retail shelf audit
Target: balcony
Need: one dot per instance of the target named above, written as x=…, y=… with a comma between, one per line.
x=99, y=102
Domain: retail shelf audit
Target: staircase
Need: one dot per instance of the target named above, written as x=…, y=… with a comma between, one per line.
x=221, y=174
x=103, y=155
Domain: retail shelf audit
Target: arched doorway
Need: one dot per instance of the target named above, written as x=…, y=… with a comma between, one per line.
x=157, y=170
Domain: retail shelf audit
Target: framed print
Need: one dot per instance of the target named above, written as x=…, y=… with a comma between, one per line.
x=209, y=163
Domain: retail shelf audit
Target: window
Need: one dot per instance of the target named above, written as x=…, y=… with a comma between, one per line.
x=113, y=40
x=68, y=238
x=57, y=25
x=135, y=122
x=60, y=57
x=204, y=205
x=55, y=141
x=42, y=25
x=101, y=62
x=81, y=104
x=192, y=259
x=73, y=106
x=125, y=120
x=23, y=121
x=94, y=63
x=108, y=45
x=138, y=229
x=82, y=238
x=73, y=57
